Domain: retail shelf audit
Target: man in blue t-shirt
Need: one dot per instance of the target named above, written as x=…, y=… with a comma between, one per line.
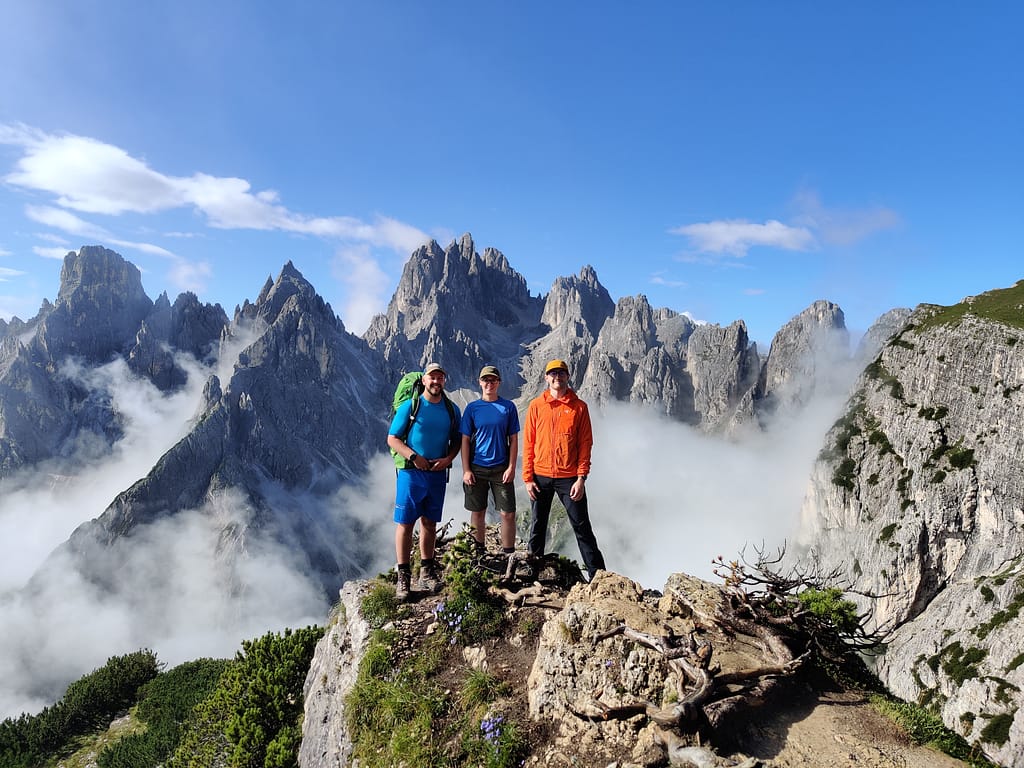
x=490, y=444
x=419, y=493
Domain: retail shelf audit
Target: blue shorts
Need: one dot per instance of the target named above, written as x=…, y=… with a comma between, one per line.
x=419, y=493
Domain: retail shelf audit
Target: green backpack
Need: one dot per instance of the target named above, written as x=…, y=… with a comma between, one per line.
x=410, y=387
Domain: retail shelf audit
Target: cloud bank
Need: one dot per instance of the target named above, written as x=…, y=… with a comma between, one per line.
x=87, y=176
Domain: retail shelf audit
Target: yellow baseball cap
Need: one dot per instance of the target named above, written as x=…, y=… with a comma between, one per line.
x=554, y=365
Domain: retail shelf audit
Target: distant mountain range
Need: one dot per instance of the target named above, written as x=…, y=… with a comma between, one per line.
x=306, y=403
x=917, y=494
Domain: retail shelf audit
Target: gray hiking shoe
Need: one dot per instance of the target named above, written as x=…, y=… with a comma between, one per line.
x=403, y=585
x=429, y=579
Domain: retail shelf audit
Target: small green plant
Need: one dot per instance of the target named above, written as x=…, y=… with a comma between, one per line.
x=960, y=457
x=997, y=729
x=829, y=607
x=1016, y=662
x=380, y=606
x=843, y=476
x=499, y=743
x=887, y=532
x=481, y=687
x=961, y=664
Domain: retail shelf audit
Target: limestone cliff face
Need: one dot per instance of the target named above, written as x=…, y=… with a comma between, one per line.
x=803, y=354
x=918, y=497
x=640, y=357
x=325, y=738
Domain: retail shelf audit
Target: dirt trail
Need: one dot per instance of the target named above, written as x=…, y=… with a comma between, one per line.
x=836, y=729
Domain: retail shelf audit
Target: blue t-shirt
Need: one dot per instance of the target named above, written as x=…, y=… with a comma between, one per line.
x=428, y=435
x=490, y=424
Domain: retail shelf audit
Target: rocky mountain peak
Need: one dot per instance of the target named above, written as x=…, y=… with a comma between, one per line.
x=99, y=307
x=814, y=341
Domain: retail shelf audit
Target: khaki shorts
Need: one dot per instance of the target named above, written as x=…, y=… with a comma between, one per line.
x=488, y=479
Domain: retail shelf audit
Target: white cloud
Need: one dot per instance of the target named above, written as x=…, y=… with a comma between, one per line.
x=657, y=279
x=65, y=221
x=842, y=226
x=56, y=252
x=365, y=283
x=736, y=236
x=173, y=595
x=90, y=176
x=189, y=275
x=6, y=273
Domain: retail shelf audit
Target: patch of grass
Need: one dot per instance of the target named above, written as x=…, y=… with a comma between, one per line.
x=939, y=476
x=1003, y=305
x=927, y=728
x=1016, y=662
x=380, y=606
x=960, y=457
x=997, y=729
x=878, y=437
x=481, y=687
x=498, y=743
x=1002, y=687
x=961, y=664
x=844, y=473
x=1009, y=613
x=887, y=532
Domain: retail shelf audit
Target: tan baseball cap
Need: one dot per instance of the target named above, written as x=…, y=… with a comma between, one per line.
x=490, y=370
x=431, y=367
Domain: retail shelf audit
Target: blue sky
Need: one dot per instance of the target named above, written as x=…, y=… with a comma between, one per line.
x=730, y=160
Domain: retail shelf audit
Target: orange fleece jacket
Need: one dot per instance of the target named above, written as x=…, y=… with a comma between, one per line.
x=557, y=438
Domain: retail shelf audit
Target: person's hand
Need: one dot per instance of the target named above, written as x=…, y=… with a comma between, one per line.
x=443, y=463
x=578, y=490
x=468, y=477
x=531, y=489
x=507, y=475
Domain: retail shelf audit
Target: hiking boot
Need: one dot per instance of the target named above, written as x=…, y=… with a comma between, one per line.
x=403, y=585
x=429, y=579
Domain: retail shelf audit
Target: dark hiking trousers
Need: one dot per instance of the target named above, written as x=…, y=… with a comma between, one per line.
x=540, y=509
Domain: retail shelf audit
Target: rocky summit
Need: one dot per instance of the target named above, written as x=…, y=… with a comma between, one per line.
x=569, y=673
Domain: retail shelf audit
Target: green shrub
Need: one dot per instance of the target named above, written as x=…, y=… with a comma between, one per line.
x=253, y=716
x=961, y=664
x=997, y=729
x=167, y=701
x=88, y=704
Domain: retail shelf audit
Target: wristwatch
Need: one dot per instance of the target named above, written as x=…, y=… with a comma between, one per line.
x=413, y=457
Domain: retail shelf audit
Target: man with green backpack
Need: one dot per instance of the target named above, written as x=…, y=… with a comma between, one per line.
x=424, y=439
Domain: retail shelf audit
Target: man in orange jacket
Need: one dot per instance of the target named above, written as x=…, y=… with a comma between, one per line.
x=557, y=441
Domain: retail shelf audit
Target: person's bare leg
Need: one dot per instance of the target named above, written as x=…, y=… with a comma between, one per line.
x=477, y=520
x=508, y=530
x=428, y=536
x=403, y=543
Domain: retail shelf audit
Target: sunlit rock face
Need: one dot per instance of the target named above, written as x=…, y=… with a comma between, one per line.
x=918, y=496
